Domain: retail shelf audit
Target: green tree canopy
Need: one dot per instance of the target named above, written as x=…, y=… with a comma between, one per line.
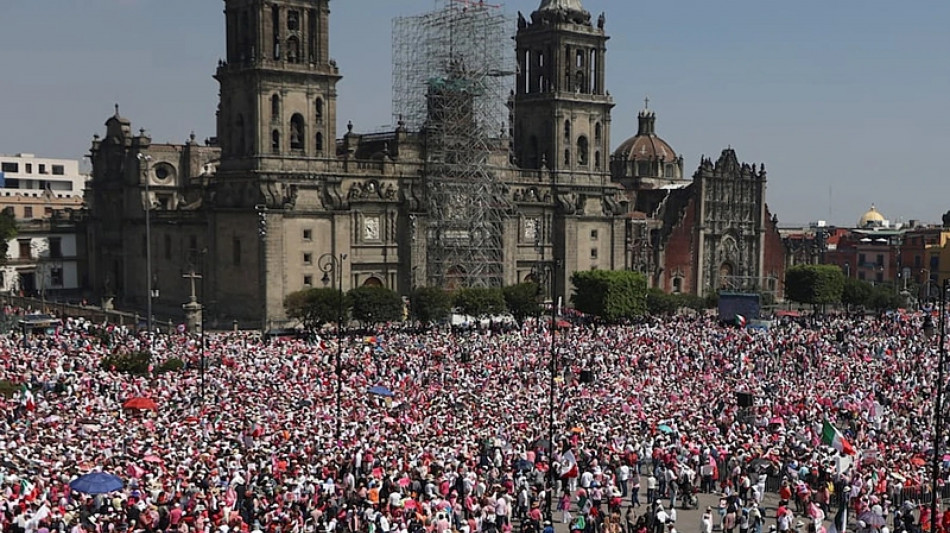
x=609, y=294
x=480, y=302
x=372, y=305
x=8, y=231
x=661, y=303
x=315, y=307
x=522, y=300
x=430, y=304
x=814, y=284
x=856, y=292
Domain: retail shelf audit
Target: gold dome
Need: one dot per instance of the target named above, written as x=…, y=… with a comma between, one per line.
x=872, y=218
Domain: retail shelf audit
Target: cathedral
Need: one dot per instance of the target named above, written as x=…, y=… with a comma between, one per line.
x=278, y=201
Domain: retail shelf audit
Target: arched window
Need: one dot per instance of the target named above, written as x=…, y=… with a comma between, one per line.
x=275, y=108
x=293, y=50
x=275, y=142
x=534, y=159
x=245, y=41
x=567, y=156
x=582, y=150
x=319, y=142
x=597, y=159
x=275, y=25
x=318, y=109
x=598, y=134
x=579, y=82
x=238, y=143
x=296, y=132
x=567, y=130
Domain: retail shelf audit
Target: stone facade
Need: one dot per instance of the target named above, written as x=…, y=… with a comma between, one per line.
x=259, y=209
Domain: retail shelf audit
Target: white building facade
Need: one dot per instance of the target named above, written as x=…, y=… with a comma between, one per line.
x=43, y=259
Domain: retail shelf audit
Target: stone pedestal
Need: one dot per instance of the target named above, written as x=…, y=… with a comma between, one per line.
x=193, y=313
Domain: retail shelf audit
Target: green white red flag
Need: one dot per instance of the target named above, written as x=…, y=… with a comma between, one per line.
x=832, y=437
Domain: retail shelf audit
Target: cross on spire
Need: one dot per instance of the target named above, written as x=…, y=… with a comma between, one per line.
x=192, y=276
x=646, y=102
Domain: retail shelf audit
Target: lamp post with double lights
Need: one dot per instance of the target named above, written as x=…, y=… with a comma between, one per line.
x=145, y=160
x=332, y=267
x=938, y=396
x=547, y=270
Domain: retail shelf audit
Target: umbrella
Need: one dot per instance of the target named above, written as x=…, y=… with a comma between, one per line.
x=541, y=443
x=665, y=428
x=304, y=403
x=523, y=465
x=778, y=421
x=96, y=483
x=140, y=403
x=872, y=519
x=379, y=390
x=152, y=459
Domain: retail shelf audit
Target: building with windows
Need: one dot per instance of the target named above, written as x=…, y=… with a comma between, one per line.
x=35, y=187
x=445, y=199
x=46, y=258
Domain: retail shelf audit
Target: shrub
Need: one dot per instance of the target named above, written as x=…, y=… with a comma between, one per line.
x=9, y=388
x=135, y=363
x=173, y=364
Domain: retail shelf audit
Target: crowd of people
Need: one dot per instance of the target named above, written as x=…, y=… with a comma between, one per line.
x=245, y=436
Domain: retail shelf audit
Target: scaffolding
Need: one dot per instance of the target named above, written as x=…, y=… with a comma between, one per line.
x=451, y=77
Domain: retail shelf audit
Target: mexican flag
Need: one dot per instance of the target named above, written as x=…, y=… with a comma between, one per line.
x=832, y=437
x=741, y=321
x=26, y=396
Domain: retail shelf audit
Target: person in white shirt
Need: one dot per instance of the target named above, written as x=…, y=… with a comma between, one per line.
x=586, y=479
x=623, y=476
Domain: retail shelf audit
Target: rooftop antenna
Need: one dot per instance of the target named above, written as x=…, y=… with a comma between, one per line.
x=830, y=203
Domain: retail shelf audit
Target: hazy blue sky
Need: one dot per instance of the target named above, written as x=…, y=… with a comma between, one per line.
x=847, y=99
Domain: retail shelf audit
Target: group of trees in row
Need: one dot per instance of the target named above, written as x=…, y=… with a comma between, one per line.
x=827, y=285
x=611, y=296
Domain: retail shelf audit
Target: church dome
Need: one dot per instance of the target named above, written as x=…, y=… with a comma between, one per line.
x=872, y=218
x=645, y=145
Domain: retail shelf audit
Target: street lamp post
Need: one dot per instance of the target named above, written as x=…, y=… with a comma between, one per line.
x=539, y=273
x=332, y=267
x=145, y=160
x=938, y=403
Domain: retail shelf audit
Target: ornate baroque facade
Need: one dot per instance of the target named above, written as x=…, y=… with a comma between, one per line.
x=254, y=210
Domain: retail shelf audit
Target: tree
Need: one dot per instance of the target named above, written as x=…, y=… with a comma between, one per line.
x=659, y=302
x=611, y=295
x=480, y=302
x=315, y=307
x=814, y=284
x=430, y=304
x=856, y=292
x=8, y=231
x=883, y=298
x=522, y=300
x=372, y=305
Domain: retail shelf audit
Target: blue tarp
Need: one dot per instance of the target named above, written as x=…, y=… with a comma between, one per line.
x=379, y=390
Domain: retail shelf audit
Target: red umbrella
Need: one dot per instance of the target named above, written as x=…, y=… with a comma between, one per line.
x=141, y=404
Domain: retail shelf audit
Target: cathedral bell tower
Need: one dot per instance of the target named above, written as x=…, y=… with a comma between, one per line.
x=278, y=84
x=561, y=106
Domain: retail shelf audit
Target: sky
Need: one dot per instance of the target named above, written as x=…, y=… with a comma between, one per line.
x=847, y=103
